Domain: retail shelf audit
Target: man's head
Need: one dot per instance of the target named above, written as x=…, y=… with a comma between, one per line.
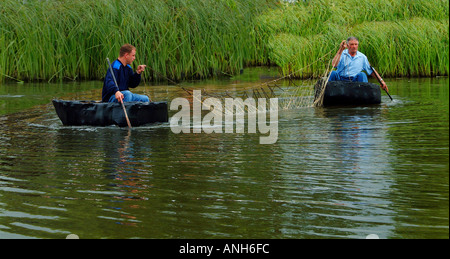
x=352, y=45
x=127, y=53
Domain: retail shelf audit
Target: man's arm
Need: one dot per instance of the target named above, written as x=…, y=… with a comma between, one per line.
x=338, y=55
x=110, y=85
x=378, y=77
x=135, y=79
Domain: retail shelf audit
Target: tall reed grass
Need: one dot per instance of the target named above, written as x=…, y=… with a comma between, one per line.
x=64, y=39
x=400, y=37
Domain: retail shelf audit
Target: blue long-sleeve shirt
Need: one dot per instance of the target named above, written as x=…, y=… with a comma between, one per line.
x=126, y=79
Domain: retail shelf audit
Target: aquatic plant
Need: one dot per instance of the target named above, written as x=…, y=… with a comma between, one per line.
x=59, y=40
x=48, y=40
x=400, y=37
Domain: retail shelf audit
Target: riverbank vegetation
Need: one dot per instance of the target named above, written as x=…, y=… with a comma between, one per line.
x=400, y=37
x=59, y=40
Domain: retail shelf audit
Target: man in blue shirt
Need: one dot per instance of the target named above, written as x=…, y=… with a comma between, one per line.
x=350, y=63
x=125, y=78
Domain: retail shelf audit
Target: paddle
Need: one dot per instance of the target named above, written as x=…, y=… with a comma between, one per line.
x=121, y=101
x=380, y=80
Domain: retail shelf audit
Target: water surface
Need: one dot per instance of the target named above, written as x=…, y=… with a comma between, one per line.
x=343, y=172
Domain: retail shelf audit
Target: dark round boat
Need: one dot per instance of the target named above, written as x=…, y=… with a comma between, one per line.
x=93, y=113
x=338, y=93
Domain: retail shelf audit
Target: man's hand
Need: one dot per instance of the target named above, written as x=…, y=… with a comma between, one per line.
x=119, y=96
x=384, y=86
x=140, y=69
x=343, y=45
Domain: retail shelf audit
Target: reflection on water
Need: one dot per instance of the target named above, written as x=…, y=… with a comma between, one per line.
x=343, y=172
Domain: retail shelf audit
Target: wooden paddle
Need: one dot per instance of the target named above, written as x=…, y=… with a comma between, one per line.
x=380, y=80
x=121, y=101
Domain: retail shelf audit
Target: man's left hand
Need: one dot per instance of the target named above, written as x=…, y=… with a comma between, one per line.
x=140, y=69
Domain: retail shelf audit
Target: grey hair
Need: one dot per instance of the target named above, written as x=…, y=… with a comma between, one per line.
x=352, y=38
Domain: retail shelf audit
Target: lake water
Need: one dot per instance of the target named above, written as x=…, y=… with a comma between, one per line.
x=343, y=172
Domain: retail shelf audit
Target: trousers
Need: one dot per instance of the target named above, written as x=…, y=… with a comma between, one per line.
x=360, y=77
x=130, y=97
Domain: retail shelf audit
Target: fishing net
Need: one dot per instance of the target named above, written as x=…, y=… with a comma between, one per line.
x=291, y=94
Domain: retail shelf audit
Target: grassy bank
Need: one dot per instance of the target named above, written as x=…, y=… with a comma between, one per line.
x=53, y=40
x=400, y=37
x=65, y=39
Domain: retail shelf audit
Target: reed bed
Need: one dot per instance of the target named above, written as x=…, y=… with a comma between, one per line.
x=64, y=39
x=400, y=37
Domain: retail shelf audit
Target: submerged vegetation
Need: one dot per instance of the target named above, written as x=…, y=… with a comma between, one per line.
x=56, y=40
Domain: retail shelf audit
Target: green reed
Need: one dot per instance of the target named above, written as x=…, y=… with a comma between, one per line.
x=177, y=39
x=400, y=37
x=48, y=40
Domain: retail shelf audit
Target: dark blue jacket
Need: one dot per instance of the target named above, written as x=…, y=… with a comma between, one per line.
x=125, y=77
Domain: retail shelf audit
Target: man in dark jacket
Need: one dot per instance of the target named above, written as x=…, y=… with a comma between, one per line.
x=126, y=78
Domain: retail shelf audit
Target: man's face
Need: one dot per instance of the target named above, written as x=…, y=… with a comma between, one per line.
x=130, y=57
x=352, y=47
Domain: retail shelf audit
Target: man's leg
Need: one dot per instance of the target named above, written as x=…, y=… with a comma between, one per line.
x=361, y=77
x=334, y=76
x=127, y=97
x=130, y=97
x=140, y=98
